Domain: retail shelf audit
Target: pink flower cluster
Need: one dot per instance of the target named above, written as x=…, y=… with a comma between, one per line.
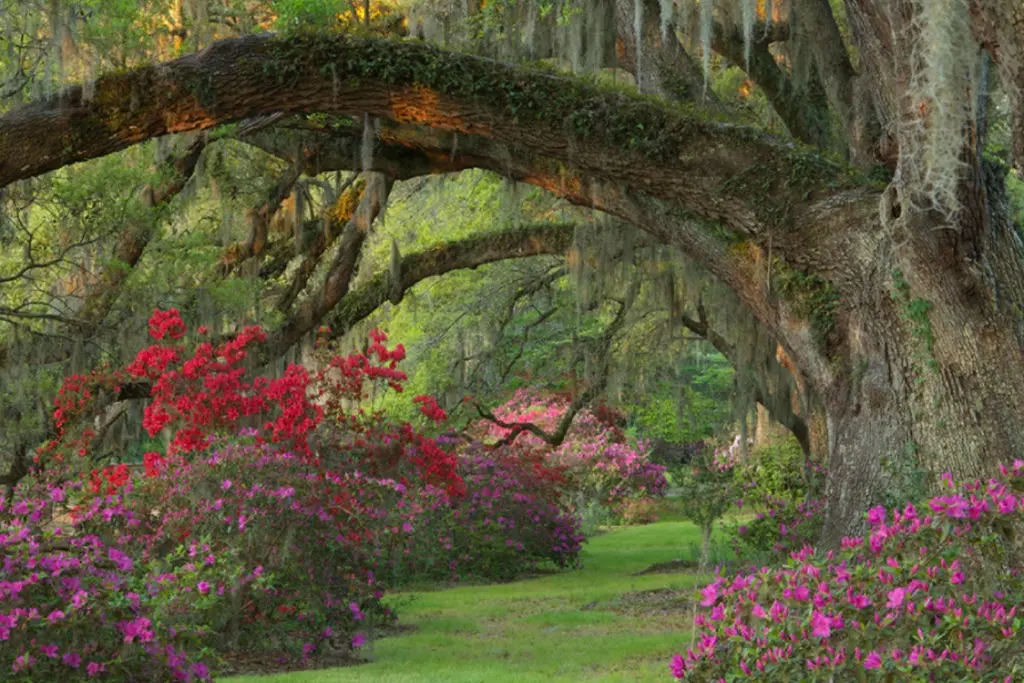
x=925, y=595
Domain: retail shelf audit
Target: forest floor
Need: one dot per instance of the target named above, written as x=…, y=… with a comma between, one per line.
x=605, y=622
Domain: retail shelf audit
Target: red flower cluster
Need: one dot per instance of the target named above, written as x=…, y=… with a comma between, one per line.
x=116, y=476
x=153, y=463
x=382, y=450
x=166, y=324
x=357, y=368
x=429, y=407
x=208, y=393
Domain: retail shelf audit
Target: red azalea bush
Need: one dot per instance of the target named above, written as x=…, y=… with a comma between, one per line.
x=927, y=595
x=266, y=525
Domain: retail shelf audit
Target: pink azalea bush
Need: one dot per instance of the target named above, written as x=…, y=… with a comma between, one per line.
x=779, y=527
x=926, y=595
x=600, y=463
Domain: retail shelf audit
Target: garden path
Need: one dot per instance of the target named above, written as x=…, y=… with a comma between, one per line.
x=601, y=623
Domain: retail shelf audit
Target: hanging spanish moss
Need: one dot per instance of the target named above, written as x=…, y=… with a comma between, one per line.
x=946, y=68
x=94, y=64
x=369, y=140
x=638, y=37
x=395, y=273
x=575, y=40
x=668, y=8
x=510, y=203
x=707, y=22
x=748, y=12
x=296, y=218
x=597, y=35
x=529, y=37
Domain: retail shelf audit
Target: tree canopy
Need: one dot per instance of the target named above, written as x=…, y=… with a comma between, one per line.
x=843, y=178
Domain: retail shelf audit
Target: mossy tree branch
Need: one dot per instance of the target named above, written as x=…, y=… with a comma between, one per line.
x=673, y=153
x=339, y=277
x=334, y=224
x=472, y=252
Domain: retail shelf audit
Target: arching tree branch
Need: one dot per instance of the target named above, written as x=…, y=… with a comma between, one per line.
x=582, y=399
x=674, y=155
x=334, y=224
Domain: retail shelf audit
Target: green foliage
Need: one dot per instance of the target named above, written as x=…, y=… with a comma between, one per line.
x=294, y=13
x=692, y=406
x=733, y=85
x=775, y=471
x=812, y=297
x=1015, y=192
x=707, y=490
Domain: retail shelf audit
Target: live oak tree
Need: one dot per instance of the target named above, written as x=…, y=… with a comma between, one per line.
x=876, y=245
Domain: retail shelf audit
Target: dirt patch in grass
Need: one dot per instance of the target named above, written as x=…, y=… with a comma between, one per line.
x=670, y=567
x=688, y=566
x=262, y=663
x=396, y=630
x=247, y=663
x=660, y=601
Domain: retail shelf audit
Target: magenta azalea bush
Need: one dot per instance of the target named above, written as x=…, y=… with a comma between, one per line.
x=291, y=547
x=927, y=595
x=511, y=520
x=76, y=604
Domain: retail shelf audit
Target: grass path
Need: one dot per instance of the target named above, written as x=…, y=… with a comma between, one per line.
x=566, y=627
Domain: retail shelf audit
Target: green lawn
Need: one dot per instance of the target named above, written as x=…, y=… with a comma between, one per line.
x=570, y=626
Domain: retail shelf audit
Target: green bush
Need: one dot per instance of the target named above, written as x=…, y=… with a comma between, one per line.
x=774, y=471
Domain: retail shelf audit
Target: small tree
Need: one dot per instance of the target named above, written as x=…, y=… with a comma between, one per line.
x=707, y=491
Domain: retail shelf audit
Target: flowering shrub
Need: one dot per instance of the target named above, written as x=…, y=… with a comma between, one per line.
x=268, y=523
x=599, y=463
x=774, y=471
x=75, y=604
x=927, y=595
x=779, y=528
x=291, y=545
x=510, y=520
x=262, y=543
x=638, y=511
x=359, y=440
x=209, y=392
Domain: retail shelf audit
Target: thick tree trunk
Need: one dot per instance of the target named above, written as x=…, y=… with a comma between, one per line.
x=935, y=377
